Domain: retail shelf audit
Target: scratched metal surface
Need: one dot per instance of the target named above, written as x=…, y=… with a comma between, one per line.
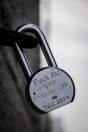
x=50, y=89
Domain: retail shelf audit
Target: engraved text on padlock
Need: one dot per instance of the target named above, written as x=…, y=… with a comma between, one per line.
x=50, y=89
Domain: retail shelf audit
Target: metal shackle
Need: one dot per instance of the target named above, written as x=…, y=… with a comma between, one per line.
x=43, y=44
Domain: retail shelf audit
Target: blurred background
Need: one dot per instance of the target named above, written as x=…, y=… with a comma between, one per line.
x=65, y=25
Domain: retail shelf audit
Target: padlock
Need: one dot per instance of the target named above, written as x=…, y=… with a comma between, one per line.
x=50, y=87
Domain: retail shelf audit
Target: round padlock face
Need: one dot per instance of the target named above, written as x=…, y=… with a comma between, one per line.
x=51, y=88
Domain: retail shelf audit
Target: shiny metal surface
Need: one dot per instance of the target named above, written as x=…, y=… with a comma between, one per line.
x=42, y=41
x=51, y=88
x=43, y=44
x=23, y=61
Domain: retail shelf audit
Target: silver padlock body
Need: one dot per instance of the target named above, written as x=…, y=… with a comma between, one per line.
x=49, y=89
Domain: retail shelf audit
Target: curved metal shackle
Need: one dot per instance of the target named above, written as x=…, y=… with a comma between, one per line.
x=43, y=44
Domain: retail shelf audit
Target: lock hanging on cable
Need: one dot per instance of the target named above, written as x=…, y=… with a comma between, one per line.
x=50, y=87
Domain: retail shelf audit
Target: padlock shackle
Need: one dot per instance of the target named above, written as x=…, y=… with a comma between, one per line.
x=23, y=61
x=42, y=41
x=43, y=44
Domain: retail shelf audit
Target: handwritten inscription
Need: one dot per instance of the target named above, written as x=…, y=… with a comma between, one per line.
x=49, y=84
x=46, y=77
x=59, y=101
x=63, y=85
x=53, y=74
x=50, y=90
